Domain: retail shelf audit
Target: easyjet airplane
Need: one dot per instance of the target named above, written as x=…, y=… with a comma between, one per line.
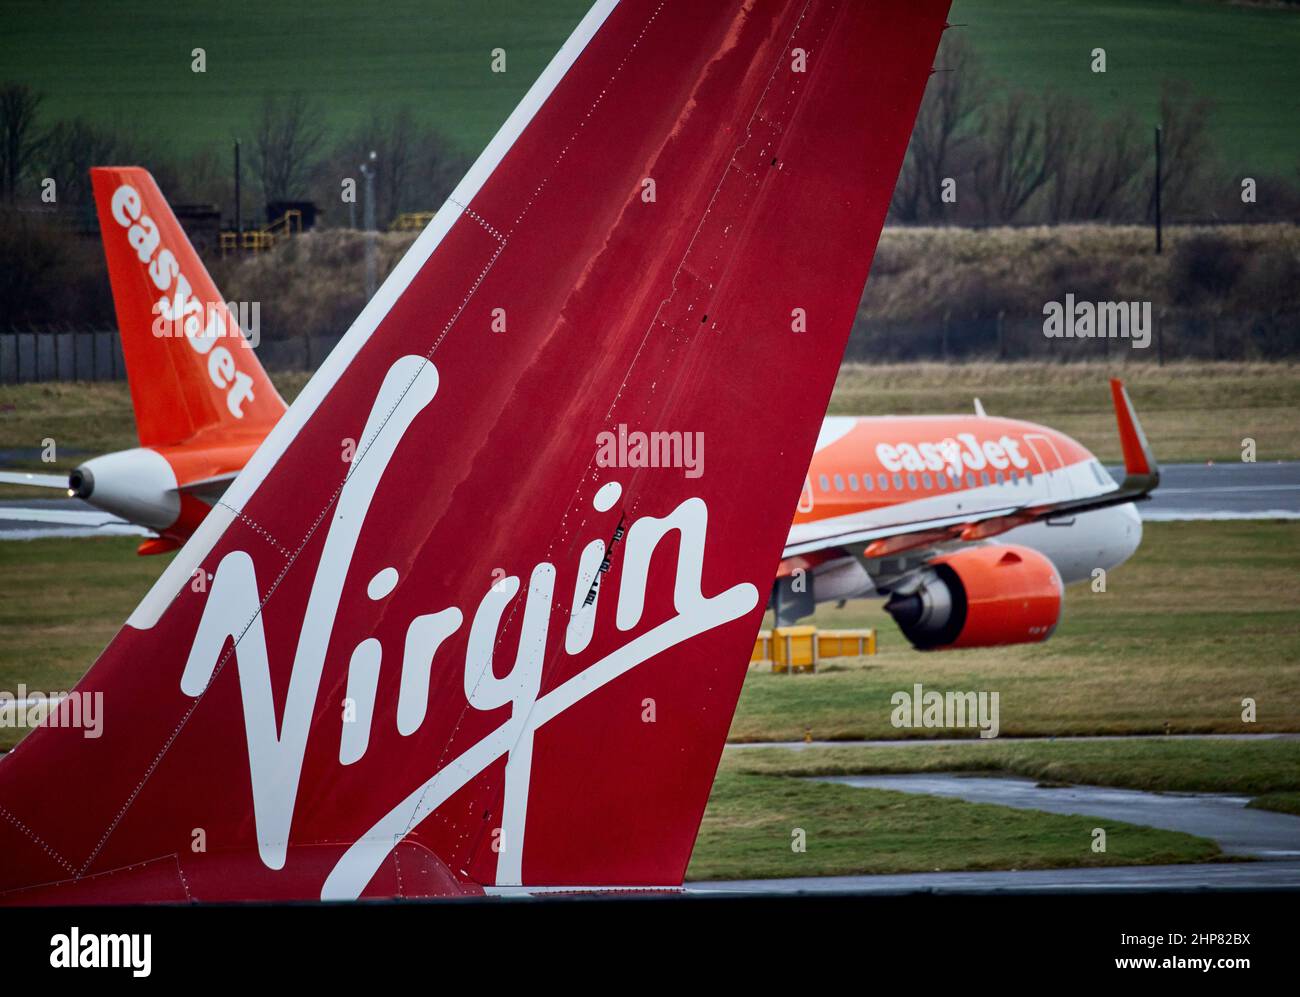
x=889, y=507
x=202, y=401
x=971, y=525
x=425, y=672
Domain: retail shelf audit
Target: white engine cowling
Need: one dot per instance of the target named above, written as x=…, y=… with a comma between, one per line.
x=138, y=485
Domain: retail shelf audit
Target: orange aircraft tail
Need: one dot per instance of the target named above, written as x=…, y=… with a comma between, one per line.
x=191, y=369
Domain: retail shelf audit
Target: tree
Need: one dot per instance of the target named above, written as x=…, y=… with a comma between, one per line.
x=1016, y=132
x=941, y=133
x=286, y=143
x=1094, y=164
x=71, y=148
x=1184, y=148
x=415, y=166
x=19, y=141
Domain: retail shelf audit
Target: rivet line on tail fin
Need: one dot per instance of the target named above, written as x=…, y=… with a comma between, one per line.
x=594, y=104
x=487, y=226
x=185, y=883
x=37, y=839
x=258, y=529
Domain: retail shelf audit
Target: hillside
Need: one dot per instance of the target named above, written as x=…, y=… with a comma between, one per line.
x=129, y=61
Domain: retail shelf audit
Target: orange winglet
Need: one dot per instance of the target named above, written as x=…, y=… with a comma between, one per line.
x=1131, y=438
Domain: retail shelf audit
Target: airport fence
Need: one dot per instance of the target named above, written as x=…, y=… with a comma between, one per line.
x=34, y=356
x=1168, y=337
x=30, y=357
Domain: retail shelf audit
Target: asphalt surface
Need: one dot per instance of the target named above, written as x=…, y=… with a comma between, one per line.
x=1111, y=879
x=1224, y=491
x=1224, y=818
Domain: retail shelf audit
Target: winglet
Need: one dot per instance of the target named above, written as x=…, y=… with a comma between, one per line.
x=979, y=408
x=1140, y=467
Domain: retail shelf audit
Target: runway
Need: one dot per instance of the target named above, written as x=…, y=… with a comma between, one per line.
x=1186, y=492
x=1223, y=491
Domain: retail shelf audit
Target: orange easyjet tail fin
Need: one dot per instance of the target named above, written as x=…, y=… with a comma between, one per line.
x=189, y=365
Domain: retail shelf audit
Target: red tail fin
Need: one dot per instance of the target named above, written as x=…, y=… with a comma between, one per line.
x=504, y=644
x=189, y=365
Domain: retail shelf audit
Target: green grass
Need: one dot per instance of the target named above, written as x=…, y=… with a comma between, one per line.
x=129, y=61
x=1242, y=56
x=749, y=827
x=1251, y=768
x=1283, y=803
x=1205, y=615
x=61, y=602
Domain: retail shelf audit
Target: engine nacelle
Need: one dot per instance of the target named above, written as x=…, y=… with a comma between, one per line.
x=138, y=485
x=981, y=597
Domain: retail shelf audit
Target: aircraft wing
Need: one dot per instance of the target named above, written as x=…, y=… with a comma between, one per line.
x=1141, y=477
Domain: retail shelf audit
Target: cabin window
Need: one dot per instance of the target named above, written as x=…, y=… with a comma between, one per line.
x=883, y=481
x=911, y=482
x=925, y=481
x=839, y=482
x=867, y=483
x=853, y=482
x=825, y=483
x=898, y=481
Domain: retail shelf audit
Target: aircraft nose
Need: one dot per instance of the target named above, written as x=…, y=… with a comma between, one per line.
x=1129, y=534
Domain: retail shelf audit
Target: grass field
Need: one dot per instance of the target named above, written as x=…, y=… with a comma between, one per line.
x=1241, y=55
x=130, y=60
x=749, y=827
x=1203, y=616
x=760, y=797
